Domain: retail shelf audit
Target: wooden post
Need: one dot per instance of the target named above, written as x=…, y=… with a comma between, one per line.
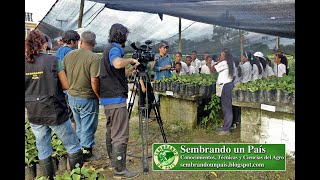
x=80, y=14
x=277, y=42
x=180, y=46
x=241, y=43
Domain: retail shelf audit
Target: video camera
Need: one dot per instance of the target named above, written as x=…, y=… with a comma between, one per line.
x=143, y=54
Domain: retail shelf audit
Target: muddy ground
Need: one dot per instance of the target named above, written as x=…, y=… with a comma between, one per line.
x=175, y=134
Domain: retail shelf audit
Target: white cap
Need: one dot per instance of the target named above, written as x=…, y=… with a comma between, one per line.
x=258, y=54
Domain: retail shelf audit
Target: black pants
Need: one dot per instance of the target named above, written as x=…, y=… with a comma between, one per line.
x=236, y=114
x=226, y=102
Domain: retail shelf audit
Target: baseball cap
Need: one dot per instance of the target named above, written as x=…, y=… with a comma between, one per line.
x=258, y=54
x=163, y=45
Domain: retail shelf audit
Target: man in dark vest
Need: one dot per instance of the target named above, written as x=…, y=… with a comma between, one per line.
x=113, y=95
x=46, y=107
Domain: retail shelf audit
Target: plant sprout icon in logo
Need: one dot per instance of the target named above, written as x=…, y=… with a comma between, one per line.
x=166, y=157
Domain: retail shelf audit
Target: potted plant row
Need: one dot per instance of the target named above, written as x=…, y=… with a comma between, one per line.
x=275, y=90
x=191, y=85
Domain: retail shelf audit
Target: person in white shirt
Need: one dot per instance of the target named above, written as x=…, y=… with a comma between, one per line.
x=262, y=61
x=206, y=69
x=269, y=69
x=256, y=69
x=195, y=62
x=279, y=68
x=204, y=62
x=178, y=58
x=224, y=86
x=245, y=68
x=178, y=69
x=215, y=59
x=191, y=69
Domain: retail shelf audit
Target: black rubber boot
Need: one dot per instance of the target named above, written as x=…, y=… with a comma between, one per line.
x=109, y=151
x=119, y=159
x=47, y=167
x=89, y=156
x=75, y=160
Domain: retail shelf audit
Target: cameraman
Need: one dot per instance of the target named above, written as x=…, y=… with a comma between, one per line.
x=113, y=95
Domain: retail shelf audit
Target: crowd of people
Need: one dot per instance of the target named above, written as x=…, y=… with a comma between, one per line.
x=63, y=91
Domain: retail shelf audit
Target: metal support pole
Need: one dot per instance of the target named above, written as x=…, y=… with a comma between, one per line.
x=241, y=42
x=80, y=14
x=180, y=46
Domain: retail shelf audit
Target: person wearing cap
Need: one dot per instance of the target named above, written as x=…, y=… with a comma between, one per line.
x=195, y=62
x=267, y=70
x=245, y=69
x=70, y=41
x=162, y=63
x=256, y=68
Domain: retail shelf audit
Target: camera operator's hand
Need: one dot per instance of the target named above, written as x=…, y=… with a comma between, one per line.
x=135, y=62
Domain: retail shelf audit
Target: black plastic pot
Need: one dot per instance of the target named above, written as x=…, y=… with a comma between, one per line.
x=212, y=89
x=196, y=89
x=182, y=89
x=285, y=99
x=190, y=90
x=203, y=90
x=235, y=94
x=175, y=87
x=241, y=95
x=247, y=96
x=168, y=86
x=293, y=99
x=260, y=95
x=254, y=96
x=30, y=172
x=278, y=95
x=156, y=86
x=269, y=95
x=162, y=86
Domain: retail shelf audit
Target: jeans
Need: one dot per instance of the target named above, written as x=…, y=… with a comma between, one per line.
x=64, y=132
x=85, y=112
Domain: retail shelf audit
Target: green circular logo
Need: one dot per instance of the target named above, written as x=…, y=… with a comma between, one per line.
x=166, y=157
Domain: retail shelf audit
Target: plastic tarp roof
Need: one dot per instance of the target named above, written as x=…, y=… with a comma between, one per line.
x=271, y=17
x=274, y=17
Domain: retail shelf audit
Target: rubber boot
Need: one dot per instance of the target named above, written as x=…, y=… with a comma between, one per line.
x=75, y=160
x=89, y=156
x=119, y=158
x=47, y=167
x=109, y=151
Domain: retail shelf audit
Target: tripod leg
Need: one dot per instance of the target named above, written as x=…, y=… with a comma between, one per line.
x=131, y=103
x=156, y=110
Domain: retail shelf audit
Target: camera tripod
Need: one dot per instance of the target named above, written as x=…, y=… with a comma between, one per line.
x=144, y=114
